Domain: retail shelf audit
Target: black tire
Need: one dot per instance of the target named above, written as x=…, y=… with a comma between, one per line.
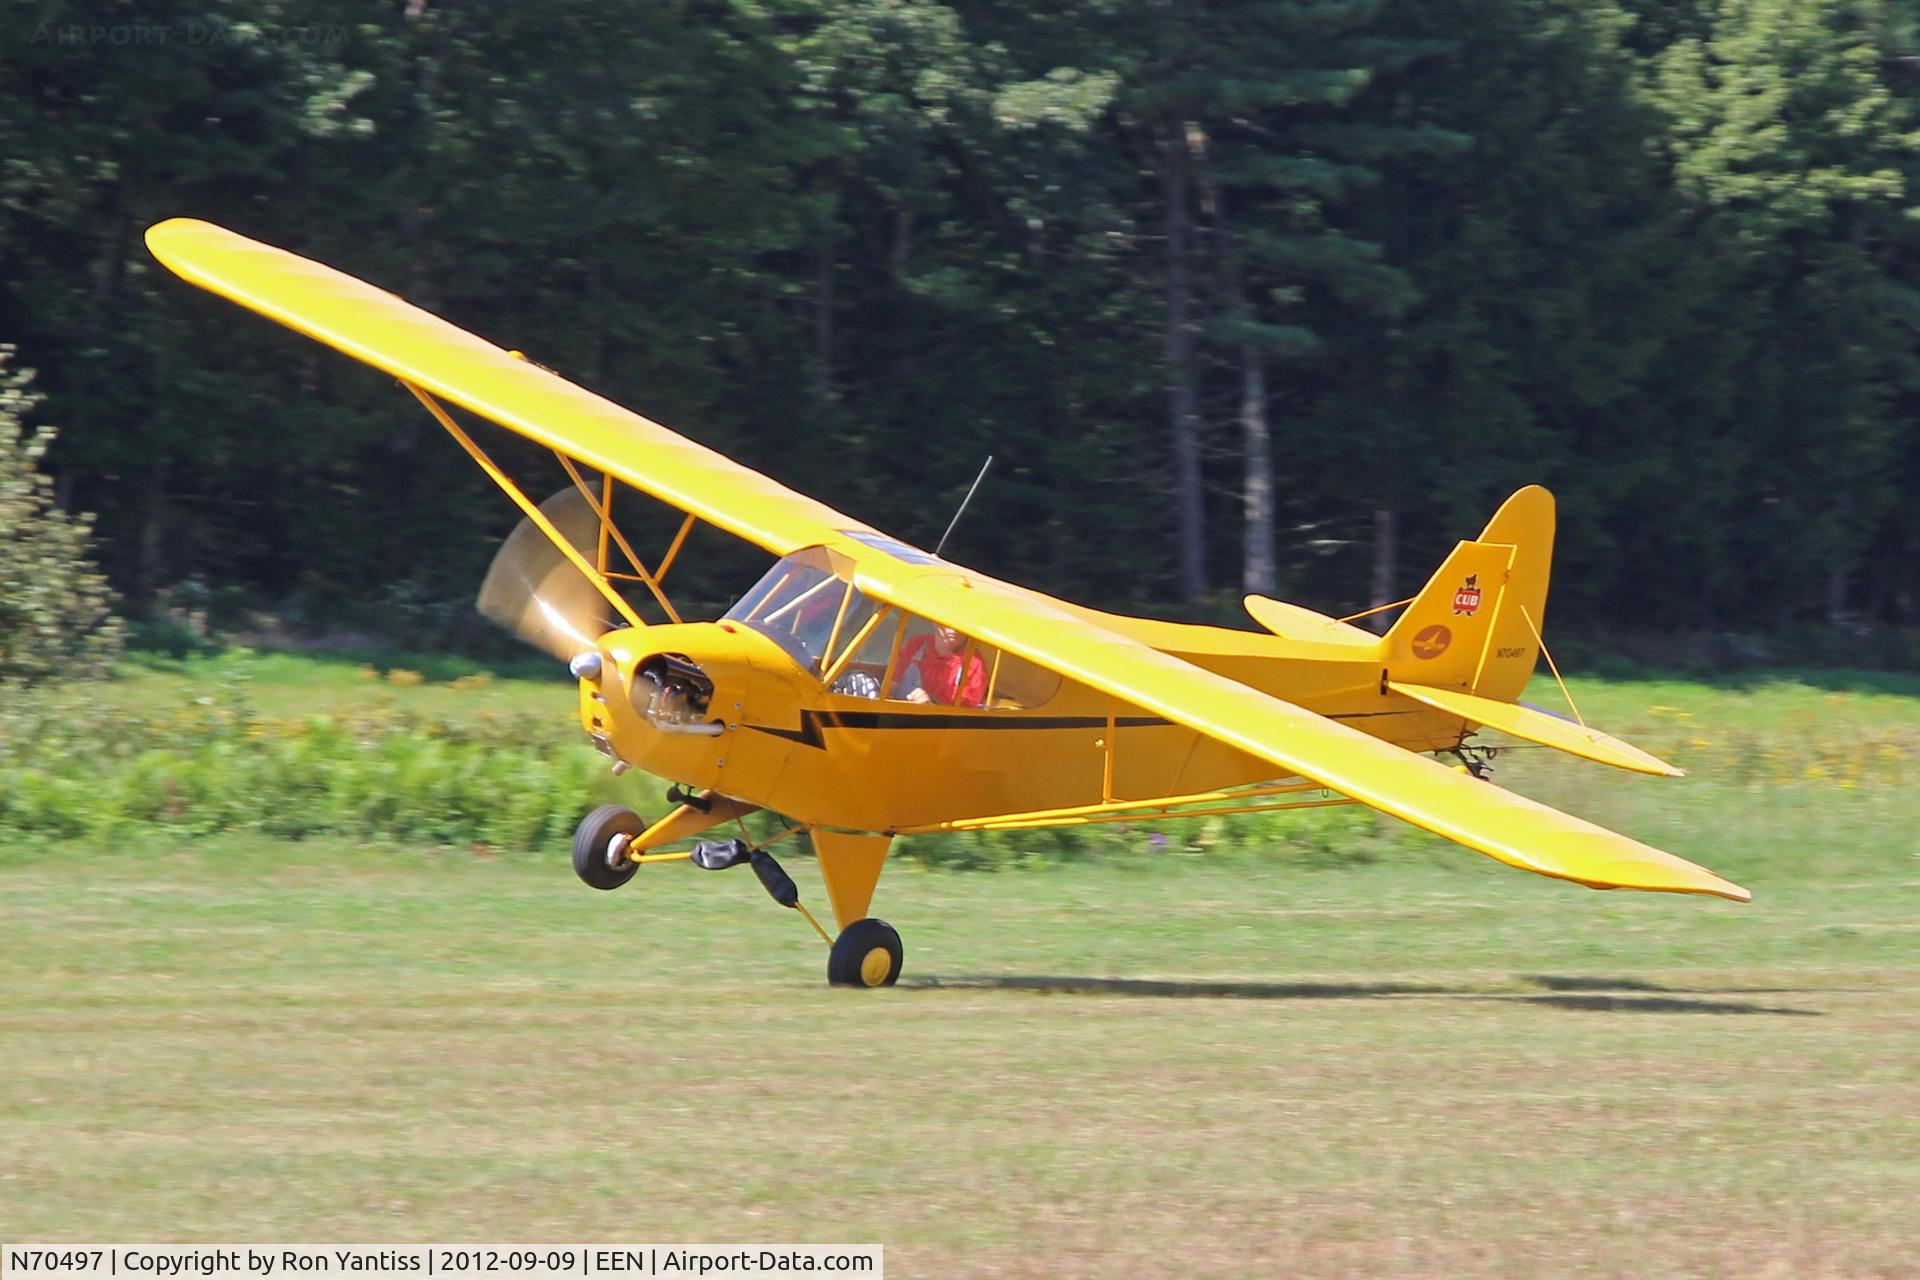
x=854, y=960
x=590, y=845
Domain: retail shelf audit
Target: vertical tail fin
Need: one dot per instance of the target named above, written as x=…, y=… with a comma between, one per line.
x=1472, y=626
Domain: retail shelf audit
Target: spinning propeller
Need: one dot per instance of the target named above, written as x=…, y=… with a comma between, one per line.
x=535, y=592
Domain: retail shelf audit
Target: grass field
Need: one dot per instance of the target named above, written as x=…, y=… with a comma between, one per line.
x=1220, y=1059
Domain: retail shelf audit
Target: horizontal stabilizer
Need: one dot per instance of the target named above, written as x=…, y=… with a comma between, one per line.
x=1295, y=623
x=1539, y=726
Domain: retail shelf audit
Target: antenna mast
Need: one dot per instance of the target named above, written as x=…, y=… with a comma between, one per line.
x=963, y=504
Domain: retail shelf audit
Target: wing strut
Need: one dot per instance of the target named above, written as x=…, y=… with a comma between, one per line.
x=673, y=548
x=526, y=505
x=603, y=508
x=1211, y=804
x=1108, y=743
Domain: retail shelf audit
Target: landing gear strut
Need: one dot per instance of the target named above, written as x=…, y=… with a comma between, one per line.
x=1476, y=761
x=718, y=855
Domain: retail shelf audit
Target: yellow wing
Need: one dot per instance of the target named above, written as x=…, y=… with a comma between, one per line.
x=1479, y=815
x=384, y=331
x=393, y=335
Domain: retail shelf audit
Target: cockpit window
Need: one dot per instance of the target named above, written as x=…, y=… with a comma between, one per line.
x=940, y=665
x=1016, y=684
x=944, y=666
x=861, y=652
x=808, y=606
x=797, y=604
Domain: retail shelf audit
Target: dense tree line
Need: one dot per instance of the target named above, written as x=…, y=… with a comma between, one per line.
x=1274, y=296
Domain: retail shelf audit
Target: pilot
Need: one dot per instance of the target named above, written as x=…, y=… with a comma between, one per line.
x=944, y=672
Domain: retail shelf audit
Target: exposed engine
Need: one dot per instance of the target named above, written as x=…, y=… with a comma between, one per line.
x=672, y=693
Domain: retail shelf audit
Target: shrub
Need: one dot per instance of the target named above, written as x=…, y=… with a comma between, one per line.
x=54, y=603
x=71, y=767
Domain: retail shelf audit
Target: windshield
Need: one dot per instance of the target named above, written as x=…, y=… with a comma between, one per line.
x=800, y=605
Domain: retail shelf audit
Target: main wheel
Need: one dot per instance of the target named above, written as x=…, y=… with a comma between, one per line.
x=866, y=954
x=590, y=838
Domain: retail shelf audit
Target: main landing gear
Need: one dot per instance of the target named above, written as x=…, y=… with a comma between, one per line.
x=611, y=842
x=600, y=845
x=866, y=954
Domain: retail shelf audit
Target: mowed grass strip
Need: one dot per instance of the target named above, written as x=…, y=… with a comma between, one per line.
x=1225, y=1065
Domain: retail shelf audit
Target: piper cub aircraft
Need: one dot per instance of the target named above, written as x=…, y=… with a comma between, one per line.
x=864, y=689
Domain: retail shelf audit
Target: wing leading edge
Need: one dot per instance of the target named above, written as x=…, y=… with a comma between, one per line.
x=399, y=338
x=1520, y=832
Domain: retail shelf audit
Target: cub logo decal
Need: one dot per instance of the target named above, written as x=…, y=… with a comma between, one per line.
x=1431, y=642
x=1466, y=601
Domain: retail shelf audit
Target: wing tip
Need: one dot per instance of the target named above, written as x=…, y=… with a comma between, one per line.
x=170, y=240
x=1706, y=884
x=1640, y=761
x=171, y=228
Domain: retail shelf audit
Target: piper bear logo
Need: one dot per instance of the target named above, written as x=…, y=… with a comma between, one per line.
x=1466, y=601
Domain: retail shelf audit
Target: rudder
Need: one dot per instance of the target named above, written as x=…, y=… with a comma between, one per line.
x=1473, y=626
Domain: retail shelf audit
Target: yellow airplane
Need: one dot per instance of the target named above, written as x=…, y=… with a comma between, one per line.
x=865, y=689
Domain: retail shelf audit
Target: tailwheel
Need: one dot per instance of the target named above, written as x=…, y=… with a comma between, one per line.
x=600, y=846
x=866, y=954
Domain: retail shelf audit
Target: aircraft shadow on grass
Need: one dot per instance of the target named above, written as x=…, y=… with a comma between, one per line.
x=1582, y=994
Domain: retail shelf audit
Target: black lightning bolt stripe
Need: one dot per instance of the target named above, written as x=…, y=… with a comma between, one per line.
x=812, y=722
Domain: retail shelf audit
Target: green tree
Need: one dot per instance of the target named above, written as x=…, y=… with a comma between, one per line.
x=1544, y=255
x=117, y=115
x=1226, y=117
x=1788, y=146
x=1889, y=584
x=55, y=617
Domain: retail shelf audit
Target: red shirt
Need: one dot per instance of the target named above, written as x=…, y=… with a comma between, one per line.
x=940, y=676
